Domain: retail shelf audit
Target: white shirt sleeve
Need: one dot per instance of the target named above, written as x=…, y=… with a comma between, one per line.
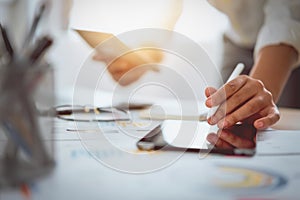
x=281, y=26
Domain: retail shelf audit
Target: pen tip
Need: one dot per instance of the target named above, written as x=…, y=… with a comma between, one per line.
x=240, y=66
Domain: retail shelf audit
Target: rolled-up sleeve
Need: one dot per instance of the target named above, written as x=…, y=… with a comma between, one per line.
x=281, y=26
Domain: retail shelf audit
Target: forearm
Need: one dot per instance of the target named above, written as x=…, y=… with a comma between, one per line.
x=273, y=67
x=94, y=38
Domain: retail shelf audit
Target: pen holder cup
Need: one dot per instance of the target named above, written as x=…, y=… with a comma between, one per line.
x=26, y=123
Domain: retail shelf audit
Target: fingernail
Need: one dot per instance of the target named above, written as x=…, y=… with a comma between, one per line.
x=209, y=120
x=208, y=101
x=213, y=120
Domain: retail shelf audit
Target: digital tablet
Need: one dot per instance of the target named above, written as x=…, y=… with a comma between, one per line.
x=177, y=135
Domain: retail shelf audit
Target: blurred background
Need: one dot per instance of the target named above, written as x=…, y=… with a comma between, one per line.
x=198, y=21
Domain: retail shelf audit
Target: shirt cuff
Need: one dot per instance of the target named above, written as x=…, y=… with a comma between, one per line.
x=279, y=32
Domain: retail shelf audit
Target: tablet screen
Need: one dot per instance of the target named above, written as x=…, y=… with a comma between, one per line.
x=192, y=136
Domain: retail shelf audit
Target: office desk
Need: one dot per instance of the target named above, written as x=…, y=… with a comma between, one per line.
x=80, y=174
x=289, y=119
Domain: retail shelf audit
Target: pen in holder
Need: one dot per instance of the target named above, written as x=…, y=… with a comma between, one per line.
x=26, y=132
x=26, y=100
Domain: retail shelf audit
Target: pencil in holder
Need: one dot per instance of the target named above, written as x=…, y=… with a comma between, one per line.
x=26, y=123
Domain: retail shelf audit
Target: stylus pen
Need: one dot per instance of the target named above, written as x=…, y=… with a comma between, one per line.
x=235, y=73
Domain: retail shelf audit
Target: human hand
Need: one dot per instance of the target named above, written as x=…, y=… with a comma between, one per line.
x=241, y=99
x=237, y=136
x=130, y=67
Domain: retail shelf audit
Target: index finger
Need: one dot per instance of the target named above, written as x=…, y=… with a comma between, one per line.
x=227, y=90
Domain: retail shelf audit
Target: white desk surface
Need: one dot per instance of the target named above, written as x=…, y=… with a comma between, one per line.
x=289, y=119
x=82, y=173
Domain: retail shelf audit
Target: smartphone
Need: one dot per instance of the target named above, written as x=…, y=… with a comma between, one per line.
x=190, y=136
